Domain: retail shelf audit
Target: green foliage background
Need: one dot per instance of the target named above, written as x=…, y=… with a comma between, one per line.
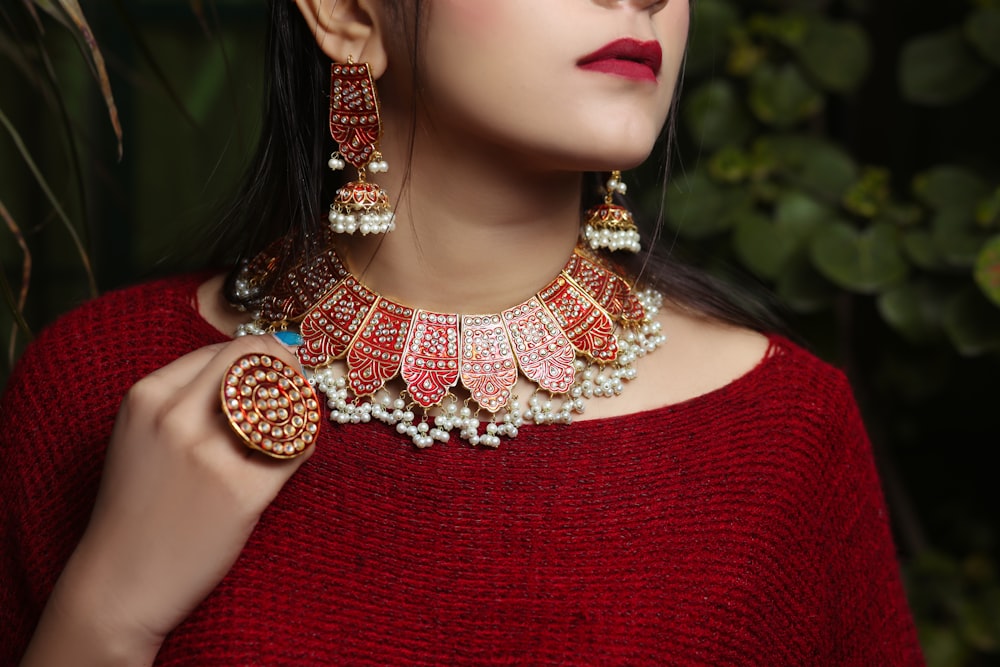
x=842, y=154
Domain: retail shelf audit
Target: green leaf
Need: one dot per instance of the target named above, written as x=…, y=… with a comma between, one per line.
x=915, y=310
x=940, y=69
x=865, y=262
x=767, y=247
x=52, y=199
x=951, y=187
x=988, y=211
x=781, y=97
x=973, y=324
x=923, y=250
x=837, y=55
x=730, y=165
x=697, y=207
x=745, y=55
x=942, y=646
x=70, y=14
x=978, y=622
x=988, y=270
x=789, y=29
x=799, y=210
x=716, y=116
x=957, y=238
x=762, y=247
x=814, y=165
x=982, y=29
x=870, y=195
x=711, y=23
x=902, y=214
x=803, y=289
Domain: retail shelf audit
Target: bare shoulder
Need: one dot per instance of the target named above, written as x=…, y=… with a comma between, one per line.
x=702, y=355
x=699, y=356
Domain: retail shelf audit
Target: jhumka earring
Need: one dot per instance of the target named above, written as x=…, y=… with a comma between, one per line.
x=610, y=225
x=355, y=125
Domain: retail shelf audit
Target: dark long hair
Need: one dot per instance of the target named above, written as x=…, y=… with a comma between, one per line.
x=282, y=193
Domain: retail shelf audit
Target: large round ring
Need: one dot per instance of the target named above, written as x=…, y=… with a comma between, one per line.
x=270, y=405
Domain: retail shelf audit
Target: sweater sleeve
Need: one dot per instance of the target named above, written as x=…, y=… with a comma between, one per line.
x=18, y=611
x=56, y=415
x=874, y=625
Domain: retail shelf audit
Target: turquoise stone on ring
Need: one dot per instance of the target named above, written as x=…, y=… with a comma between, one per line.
x=289, y=338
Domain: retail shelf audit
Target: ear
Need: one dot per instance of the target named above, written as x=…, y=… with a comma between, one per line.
x=347, y=29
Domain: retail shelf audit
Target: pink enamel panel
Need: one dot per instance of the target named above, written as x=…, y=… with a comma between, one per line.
x=431, y=357
x=488, y=368
x=544, y=354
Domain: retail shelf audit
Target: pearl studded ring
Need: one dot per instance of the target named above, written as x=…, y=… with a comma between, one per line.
x=270, y=405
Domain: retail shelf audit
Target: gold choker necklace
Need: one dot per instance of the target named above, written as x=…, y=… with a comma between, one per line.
x=576, y=338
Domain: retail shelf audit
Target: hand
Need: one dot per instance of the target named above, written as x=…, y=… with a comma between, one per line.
x=178, y=500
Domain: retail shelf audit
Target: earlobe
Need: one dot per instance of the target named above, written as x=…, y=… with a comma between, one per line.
x=347, y=29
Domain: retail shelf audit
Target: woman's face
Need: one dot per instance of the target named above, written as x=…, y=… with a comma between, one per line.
x=552, y=84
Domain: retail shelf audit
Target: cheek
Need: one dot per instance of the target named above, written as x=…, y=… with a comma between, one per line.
x=472, y=51
x=465, y=22
x=672, y=25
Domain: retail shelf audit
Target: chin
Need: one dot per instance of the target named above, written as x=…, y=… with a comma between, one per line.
x=617, y=156
x=624, y=147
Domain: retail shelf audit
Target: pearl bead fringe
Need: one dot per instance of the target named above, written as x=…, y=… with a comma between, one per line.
x=424, y=428
x=374, y=221
x=366, y=223
x=612, y=239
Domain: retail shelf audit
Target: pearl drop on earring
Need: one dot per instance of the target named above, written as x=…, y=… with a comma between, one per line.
x=610, y=225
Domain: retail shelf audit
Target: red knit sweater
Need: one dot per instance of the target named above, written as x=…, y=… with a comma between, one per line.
x=743, y=527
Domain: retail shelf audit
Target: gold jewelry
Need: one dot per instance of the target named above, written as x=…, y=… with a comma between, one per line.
x=610, y=225
x=270, y=405
x=576, y=338
x=356, y=126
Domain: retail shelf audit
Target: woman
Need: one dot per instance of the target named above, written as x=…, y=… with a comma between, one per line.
x=723, y=509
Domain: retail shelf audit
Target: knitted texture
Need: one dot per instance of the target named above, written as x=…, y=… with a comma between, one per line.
x=742, y=527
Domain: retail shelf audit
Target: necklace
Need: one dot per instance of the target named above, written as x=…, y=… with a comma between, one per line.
x=577, y=338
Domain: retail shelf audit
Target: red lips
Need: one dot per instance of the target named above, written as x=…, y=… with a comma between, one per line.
x=628, y=58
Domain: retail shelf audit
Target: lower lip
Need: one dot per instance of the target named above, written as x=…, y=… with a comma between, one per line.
x=627, y=69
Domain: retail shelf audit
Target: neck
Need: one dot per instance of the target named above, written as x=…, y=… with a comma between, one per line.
x=473, y=235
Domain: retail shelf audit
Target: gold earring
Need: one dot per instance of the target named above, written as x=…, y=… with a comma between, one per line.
x=356, y=126
x=610, y=225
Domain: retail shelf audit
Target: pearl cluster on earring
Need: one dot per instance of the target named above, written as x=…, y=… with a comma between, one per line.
x=336, y=162
x=615, y=184
x=378, y=165
x=609, y=225
x=361, y=206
